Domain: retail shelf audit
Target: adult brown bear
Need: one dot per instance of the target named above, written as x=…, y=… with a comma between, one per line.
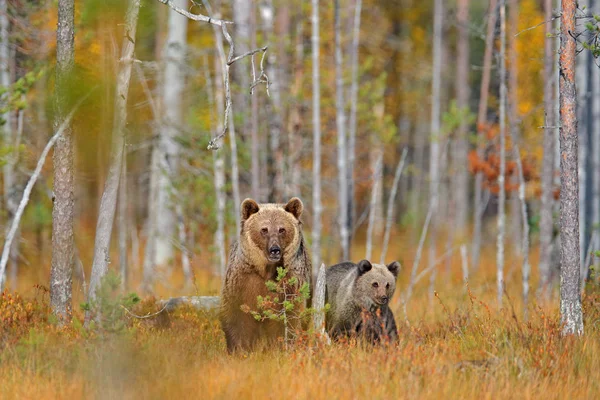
x=270, y=237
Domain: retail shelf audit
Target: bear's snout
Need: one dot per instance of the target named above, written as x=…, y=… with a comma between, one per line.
x=274, y=253
x=383, y=300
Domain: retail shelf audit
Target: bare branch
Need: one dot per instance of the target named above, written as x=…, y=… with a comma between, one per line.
x=195, y=17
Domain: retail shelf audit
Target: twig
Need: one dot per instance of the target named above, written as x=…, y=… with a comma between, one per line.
x=195, y=17
x=144, y=316
x=435, y=263
x=537, y=25
x=29, y=187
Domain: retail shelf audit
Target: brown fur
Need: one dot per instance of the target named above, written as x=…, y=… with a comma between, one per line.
x=251, y=264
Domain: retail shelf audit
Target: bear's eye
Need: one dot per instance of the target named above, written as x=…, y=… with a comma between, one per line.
x=375, y=284
x=281, y=231
x=264, y=231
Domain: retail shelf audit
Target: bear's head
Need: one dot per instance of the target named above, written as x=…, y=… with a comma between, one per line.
x=376, y=283
x=273, y=231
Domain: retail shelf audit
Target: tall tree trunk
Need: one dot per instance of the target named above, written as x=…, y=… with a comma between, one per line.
x=546, y=220
x=353, y=111
x=434, y=157
x=255, y=145
x=594, y=103
x=108, y=204
x=461, y=144
x=274, y=110
x=316, y=121
x=61, y=273
x=123, y=224
x=502, y=173
x=570, y=297
x=481, y=121
x=242, y=13
x=340, y=119
x=167, y=146
x=375, y=195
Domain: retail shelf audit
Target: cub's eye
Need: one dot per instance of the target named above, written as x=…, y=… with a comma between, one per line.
x=264, y=231
x=387, y=285
x=281, y=231
x=375, y=284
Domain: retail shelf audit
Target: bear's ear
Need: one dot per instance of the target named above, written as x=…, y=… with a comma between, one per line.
x=364, y=266
x=249, y=207
x=295, y=207
x=394, y=268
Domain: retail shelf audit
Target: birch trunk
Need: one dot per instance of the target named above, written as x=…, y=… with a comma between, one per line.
x=342, y=159
x=255, y=146
x=526, y=268
x=108, y=204
x=375, y=195
x=5, y=81
x=570, y=297
x=481, y=121
x=273, y=109
x=461, y=146
x=123, y=224
x=242, y=12
x=595, y=105
x=390, y=206
x=61, y=272
x=502, y=172
x=434, y=157
x=316, y=121
x=167, y=146
x=546, y=220
x=353, y=111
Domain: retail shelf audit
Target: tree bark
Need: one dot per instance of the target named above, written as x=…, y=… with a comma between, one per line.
x=481, y=121
x=461, y=144
x=546, y=220
x=434, y=157
x=61, y=272
x=342, y=160
x=353, y=111
x=502, y=172
x=255, y=145
x=316, y=121
x=108, y=204
x=390, y=206
x=167, y=146
x=123, y=224
x=570, y=297
x=242, y=12
x=377, y=170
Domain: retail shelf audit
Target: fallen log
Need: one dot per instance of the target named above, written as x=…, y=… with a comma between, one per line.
x=199, y=302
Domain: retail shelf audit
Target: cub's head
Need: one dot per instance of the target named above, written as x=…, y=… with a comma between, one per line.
x=376, y=283
x=273, y=230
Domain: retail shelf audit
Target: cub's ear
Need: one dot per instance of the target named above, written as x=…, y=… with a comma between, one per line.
x=364, y=266
x=249, y=207
x=394, y=268
x=295, y=207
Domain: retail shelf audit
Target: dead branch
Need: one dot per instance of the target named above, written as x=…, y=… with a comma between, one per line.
x=195, y=17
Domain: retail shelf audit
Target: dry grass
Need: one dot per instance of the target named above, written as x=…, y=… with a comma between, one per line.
x=457, y=345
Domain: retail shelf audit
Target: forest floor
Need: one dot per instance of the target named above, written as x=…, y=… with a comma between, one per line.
x=457, y=344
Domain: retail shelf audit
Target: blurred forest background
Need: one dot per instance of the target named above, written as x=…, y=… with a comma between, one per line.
x=397, y=79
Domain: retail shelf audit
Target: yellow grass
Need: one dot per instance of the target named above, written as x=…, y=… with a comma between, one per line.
x=456, y=345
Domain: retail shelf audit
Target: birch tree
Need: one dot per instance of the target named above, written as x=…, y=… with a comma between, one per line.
x=434, y=158
x=316, y=121
x=340, y=122
x=546, y=220
x=570, y=297
x=61, y=272
x=108, y=204
x=481, y=121
x=166, y=146
x=502, y=172
x=461, y=146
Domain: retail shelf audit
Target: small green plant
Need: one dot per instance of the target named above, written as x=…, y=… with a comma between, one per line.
x=109, y=306
x=284, y=305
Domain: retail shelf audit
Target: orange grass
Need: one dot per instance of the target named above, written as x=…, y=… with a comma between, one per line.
x=456, y=344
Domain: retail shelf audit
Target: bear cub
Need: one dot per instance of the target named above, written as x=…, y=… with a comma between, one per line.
x=359, y=296
x=270, y=237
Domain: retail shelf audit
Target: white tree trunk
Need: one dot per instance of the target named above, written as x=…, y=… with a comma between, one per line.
x=595, y=104
x=502, y=172
x=434, y=157
x=122, y=224
x=316, y=121
x=255, y=145
x=242, y=12
x=526, y=268
x=61, y=272
x=375, y=196
x=5, y=82
x=167, y=146
x=390, y=206
x=342, y=159
x=108, y=204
